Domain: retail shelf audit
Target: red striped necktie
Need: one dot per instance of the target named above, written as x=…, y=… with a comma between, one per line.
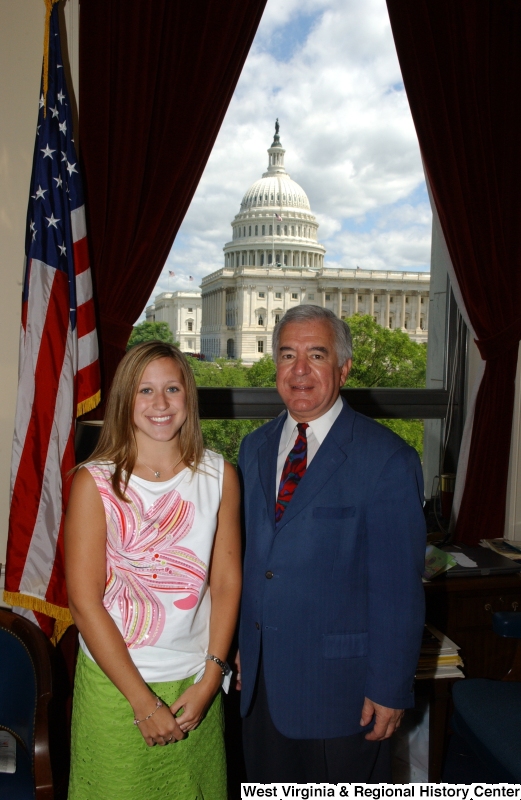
x=293, y=471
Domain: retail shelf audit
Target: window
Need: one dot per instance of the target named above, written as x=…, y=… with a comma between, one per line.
x=244, y=231
x=277, y=318
x=344, y=297
x=299, y=230
x=293, y=230
x=294, y=296
x=261, y=319
x=190, y=325
x=249, y=231
x=260, y=346
x=262, y=295
x=190, y=344
x=278, y=295
x=239, y=232
x=391, y=299
x=376, y=298
x=405, y=325
x=256, y=230
x=311, y=296
x=406, y=300
x=286, y=259
x=269, y=258
x=190, y=310
x=264, y=230
x=390, y=322
x=271, y=230
x=285, y=230
x=262, y=260
x=359, y=298
x=422, y=300
x=278, y=230
x=328, y=297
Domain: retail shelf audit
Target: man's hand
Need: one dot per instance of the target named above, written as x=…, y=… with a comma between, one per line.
x=387, y=720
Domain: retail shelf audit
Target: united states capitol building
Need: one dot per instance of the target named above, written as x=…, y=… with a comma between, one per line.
x=273, y=262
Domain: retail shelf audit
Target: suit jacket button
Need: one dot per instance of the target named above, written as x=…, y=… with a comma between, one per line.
x=269, y=575
x=257, y=626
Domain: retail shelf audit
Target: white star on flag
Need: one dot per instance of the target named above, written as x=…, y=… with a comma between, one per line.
x=42, y=101
x=71, y=168
x=62, y=249
x=60, y=96
x=52, y=221
x=55, y=112
x=64, y=156
x=59, y=181
x=63, y=127
x=47, y=152
x=40, y=193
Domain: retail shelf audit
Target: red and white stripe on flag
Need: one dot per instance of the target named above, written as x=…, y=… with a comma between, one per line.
x=59, y=370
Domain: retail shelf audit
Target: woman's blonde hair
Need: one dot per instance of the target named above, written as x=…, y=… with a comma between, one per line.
x=117, y=442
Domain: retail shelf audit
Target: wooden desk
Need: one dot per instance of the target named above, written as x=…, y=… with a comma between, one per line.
x=463, y=608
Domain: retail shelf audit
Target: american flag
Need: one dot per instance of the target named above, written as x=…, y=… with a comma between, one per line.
x=190, y=278
x=172, y=274
x=277, y=216
x=59, y=369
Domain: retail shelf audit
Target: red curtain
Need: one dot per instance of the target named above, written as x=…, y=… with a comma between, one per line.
x=461, y=66
x=156, y=79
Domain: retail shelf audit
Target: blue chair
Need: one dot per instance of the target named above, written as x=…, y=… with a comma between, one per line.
x=487, y=714
x=25, y=697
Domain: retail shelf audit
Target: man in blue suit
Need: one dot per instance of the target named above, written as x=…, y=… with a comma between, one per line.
x=333, y=608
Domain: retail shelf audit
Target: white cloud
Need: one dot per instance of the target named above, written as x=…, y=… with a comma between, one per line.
x=328, y=69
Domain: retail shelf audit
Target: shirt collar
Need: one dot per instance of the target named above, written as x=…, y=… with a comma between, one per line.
x=320, y=426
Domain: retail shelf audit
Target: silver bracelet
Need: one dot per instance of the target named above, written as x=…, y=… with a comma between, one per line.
x=159, y=704
x=225, y=669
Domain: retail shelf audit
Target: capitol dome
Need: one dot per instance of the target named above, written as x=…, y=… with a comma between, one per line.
x=275, y=224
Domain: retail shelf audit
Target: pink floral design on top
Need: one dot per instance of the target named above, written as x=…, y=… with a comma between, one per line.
x=144, y=557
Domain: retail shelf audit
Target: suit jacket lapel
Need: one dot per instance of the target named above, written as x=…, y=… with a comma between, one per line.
x=330, y=455
x=267, y=459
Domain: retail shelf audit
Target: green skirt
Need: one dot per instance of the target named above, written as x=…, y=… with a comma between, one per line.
x=109, y=757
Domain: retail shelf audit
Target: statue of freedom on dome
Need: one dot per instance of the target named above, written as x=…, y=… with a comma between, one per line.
x=277, y=126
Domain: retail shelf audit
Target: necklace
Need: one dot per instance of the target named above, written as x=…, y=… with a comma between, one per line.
x=156, y=472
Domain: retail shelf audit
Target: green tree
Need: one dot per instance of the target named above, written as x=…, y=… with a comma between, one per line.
x=262, y=373
x=220, y=372
x=150, y=331
x=388, y=358
x=384, y=357
x=225, y=435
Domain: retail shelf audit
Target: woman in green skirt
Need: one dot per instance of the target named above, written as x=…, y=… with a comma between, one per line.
x=152, y=548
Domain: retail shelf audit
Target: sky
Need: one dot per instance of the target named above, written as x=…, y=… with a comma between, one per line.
x=328, y=70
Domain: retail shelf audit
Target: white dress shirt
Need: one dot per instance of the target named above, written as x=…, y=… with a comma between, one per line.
x=316, y=433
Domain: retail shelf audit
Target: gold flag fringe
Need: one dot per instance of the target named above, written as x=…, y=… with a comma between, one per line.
x=88, y=404
x=48, y=8
x=62, y=616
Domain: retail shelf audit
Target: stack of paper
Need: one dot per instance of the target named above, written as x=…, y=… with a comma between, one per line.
x=439, y=656
x=503, y=547
x=7, y=752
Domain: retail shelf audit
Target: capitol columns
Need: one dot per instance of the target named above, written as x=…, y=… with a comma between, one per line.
x=387, y=308
x=222, y=308
x=339, y=302
x=371, y=302
x=418, y=311
x=403, y=310
x=355, y=309
x=252, y=304
x=323, y=297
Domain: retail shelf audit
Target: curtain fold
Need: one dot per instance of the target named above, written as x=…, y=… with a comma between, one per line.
x=155, y=82
x=461, y=66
